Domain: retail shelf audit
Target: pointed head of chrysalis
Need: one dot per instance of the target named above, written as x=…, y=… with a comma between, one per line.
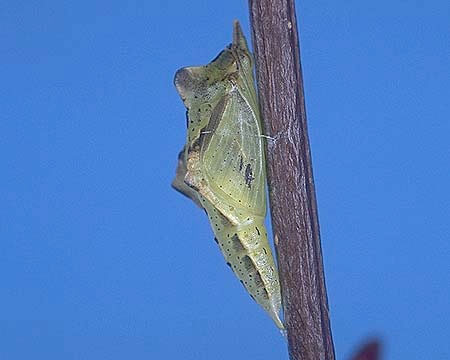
x=208, y=79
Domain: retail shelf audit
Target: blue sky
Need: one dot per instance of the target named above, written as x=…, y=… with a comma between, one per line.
x=101, y=259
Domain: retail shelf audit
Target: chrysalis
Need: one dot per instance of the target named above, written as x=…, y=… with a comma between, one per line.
x=222, y=166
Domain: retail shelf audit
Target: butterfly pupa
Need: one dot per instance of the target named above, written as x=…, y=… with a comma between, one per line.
x=222, y=166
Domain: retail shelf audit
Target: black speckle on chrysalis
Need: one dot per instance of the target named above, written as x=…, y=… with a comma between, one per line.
x=248, y=175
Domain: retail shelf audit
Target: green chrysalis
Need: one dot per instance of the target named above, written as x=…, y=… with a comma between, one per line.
x=222, y=166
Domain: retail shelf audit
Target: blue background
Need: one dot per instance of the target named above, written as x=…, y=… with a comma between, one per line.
x=101, y=259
